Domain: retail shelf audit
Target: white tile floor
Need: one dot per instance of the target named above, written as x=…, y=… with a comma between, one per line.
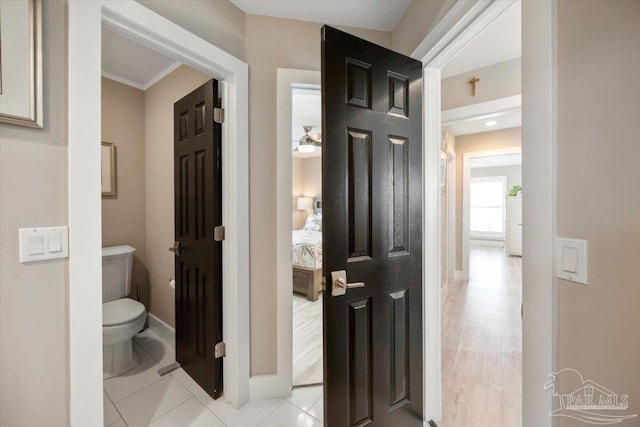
x=142, y=398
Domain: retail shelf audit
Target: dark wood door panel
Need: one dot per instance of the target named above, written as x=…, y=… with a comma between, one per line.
x=198, y=209
x=372, y=229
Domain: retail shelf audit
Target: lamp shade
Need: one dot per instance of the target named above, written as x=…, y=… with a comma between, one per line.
x=305, y=203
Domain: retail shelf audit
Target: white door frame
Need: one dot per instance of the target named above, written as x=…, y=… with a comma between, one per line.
x=466, y=197
x=280, y=383
x=84, y=129
x=450, y=200
x=463, y=22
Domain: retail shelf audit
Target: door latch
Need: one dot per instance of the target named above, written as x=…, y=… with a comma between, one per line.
x=340, y=285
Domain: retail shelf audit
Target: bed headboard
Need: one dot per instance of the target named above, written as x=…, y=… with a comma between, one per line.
x=317, y=205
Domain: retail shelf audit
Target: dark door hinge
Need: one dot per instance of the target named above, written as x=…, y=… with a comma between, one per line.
x=220, y=350
x=218, y=233
x=218, y=115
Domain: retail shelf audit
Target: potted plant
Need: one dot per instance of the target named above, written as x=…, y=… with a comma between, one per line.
x=516, y=191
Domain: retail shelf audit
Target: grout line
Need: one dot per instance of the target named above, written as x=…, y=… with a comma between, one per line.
x=146, y=387
x=271, y=413
x=205, y=407
x=175, y=407
x=134, y=392
x=158, y=337
x=117, y=410
x=302, y=409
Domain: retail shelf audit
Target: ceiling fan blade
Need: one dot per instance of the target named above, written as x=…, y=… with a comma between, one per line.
x=317, y=137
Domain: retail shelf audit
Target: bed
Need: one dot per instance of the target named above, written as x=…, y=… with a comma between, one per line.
x=306, y=253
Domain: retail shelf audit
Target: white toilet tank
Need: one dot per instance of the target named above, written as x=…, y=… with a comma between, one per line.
x=117, y=262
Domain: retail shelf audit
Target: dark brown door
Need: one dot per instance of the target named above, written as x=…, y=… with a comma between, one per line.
x=198, y=209
x=372, y=229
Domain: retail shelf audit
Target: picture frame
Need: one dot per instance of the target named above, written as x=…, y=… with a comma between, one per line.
x=108, y=169
x=21, y=63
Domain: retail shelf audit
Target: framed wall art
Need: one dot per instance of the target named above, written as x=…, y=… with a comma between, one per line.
x=108, y=169
x=21, y=62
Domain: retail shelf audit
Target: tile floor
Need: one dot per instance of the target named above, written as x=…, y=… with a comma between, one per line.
x=142, y=398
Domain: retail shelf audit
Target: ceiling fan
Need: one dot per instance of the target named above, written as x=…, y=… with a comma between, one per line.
x=308, y=143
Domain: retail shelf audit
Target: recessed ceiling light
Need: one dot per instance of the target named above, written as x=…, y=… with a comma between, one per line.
x=491, y=123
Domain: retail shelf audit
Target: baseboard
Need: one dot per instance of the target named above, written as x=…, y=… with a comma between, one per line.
x=267, y=386
x=444, y=291
x=487, y=242
x=160, y=327
x=260, y=386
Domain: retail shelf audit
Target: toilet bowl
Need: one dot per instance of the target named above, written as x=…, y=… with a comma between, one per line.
x=122, y=317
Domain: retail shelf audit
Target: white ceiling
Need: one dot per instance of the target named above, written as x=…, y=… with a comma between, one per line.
x=306, y=109
x=496, y=161
x=375, y=15
x=500, y=41
x=131, y=63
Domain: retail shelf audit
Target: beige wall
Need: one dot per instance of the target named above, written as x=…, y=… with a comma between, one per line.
x=158, y=101
x=265, y=44
x=496, y=81
x=307, y=182
x=598, y=198
x=123, y=215
x=504, y=138
x=272, y=43
x=34, y=374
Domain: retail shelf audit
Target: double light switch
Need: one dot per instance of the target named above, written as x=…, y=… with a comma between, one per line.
x=39, y=244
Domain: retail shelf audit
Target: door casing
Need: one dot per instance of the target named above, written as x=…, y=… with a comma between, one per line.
x=85, y=262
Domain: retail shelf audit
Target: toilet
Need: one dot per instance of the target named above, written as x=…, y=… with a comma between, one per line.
x=122, y=317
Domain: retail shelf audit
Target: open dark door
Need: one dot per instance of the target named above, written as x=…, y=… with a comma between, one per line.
x=198, y=261
x=372, y=230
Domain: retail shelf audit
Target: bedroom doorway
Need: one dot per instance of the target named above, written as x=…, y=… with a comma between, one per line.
x=306, y=235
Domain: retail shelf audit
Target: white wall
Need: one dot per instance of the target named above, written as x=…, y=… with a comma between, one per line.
x=513, y=173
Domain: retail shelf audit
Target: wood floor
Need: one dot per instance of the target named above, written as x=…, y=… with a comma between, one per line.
x=482, y=343
x=307, y=340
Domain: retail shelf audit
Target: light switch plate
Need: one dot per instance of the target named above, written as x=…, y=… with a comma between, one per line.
x=39, y=244
x=572, y=261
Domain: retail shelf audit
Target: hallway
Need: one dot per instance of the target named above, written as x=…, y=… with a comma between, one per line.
x=482, y=343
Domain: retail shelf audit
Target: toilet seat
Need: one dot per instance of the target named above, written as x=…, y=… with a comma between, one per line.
x=121, y=311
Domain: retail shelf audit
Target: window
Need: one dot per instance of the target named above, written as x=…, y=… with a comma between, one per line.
x=487, y=216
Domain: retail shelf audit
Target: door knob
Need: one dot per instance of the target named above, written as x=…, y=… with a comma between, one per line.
x=176, y=248
x=340, y=285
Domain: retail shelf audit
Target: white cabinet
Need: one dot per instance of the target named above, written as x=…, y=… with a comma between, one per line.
x=514, y=225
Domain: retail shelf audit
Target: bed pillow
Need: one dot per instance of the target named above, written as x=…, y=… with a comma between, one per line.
x=314, y=223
